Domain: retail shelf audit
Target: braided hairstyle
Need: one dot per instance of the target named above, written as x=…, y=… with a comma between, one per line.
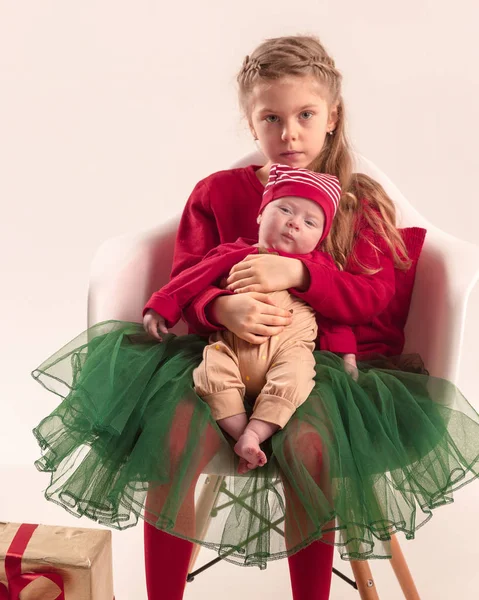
x=362, y=197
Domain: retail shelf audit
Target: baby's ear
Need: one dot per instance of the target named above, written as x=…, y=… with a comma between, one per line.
x=258, y=219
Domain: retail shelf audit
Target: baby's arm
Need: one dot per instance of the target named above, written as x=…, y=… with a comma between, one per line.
x=165, y=306
x=253, y=318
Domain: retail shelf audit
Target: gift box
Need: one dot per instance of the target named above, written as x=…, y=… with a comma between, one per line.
x=45, y=562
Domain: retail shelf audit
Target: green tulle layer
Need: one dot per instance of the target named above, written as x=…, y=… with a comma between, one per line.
x=358, y=461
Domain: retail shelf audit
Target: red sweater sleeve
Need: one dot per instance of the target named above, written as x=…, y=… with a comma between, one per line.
x=197, y=235
x=172, y=298
x=197, y=232
x=334, y=337
x=352, y=297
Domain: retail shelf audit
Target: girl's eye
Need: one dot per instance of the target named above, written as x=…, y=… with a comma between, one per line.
x=310, y=223
x=307, y=114
x=284, y=209
x=270, y=118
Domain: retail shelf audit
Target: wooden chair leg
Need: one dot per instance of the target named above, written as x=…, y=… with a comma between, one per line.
x=364, y=580
x=203, y=508
x=401, y=570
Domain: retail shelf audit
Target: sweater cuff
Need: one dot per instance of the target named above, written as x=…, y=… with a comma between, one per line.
x=164, y=306
x=319, y=285
x=198, y=313
x=341, y=341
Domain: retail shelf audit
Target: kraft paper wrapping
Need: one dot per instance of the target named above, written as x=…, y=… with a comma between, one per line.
x=82, y=557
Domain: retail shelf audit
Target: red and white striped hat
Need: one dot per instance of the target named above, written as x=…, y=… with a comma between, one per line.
x=322, y=188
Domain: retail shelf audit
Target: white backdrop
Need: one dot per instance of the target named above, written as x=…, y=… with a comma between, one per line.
x=111, y=111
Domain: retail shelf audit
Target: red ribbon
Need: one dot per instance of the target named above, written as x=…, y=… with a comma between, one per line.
x=18, y=581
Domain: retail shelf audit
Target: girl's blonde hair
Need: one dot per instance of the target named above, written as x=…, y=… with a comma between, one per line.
x=305, y=55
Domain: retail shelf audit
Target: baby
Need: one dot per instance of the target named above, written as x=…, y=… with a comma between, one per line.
x=295, y=216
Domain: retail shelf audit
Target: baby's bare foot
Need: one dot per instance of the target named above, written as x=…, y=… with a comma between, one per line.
x=247, y=448
x=243, y=466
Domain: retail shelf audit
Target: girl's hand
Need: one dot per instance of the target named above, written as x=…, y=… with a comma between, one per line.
x=252, y=317
x=153, y=323
x=350, y=365
x=267, y=273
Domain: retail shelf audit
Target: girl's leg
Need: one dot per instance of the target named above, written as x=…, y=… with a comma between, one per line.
x=167, y=556
x=310, y=571
x=166, y=564
x=310, y=568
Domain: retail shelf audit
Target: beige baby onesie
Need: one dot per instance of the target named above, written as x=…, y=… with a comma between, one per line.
x=279, y=372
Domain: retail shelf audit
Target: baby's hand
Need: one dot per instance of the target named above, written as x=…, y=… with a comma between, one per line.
x=153, y=323
x=350, y=365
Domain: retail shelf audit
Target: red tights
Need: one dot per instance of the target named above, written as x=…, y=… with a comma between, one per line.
x=167, y=557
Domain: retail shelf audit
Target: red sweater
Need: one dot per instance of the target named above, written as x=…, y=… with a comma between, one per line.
x=172, y=298
x=224, y=206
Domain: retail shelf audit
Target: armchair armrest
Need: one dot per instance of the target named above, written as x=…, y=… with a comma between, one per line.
x=126, y=270
x=446, y=274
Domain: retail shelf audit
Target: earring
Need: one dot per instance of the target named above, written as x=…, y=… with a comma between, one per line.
x=331, y=132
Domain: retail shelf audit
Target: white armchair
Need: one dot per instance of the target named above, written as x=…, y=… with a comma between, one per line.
x=127, y=269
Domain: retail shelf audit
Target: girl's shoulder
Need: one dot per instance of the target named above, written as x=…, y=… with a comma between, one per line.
x=245, y=176
x=383, y=233
x=231, y=186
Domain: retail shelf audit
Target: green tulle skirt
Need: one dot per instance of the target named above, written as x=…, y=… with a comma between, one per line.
x=358, y=461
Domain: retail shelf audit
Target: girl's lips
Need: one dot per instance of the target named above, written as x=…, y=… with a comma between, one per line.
x=289, y=153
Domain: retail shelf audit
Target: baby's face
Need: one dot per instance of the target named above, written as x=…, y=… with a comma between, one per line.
x=291, y=224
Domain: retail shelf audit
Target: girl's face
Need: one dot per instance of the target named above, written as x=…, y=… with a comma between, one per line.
x=291, y=118
x=291, y=224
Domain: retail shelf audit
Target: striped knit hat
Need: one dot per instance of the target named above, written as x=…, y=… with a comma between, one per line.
x=321, y=188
